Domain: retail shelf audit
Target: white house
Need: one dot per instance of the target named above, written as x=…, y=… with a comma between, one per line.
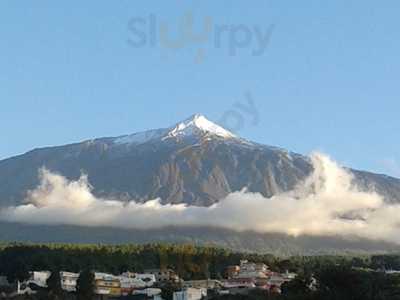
x=39, y=278
x=135, y=280
x=69, y=281
x=190, y=294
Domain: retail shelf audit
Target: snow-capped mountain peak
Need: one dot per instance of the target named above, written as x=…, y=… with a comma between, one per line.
x=195, y=126
x=198, y=124
x=140, y=137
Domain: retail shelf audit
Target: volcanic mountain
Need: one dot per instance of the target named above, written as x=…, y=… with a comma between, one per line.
x=195, y=162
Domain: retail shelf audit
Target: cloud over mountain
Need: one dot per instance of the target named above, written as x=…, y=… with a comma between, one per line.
x=325, y=203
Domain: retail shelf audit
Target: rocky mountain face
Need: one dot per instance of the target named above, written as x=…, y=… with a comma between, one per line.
x=194, y=162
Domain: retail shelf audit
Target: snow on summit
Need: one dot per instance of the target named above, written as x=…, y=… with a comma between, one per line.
x=196, y=125
x=140, y=137
x=199, y=124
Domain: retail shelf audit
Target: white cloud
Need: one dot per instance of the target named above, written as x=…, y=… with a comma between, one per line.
x=326, y=203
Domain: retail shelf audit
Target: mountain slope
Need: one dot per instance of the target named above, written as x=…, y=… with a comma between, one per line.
x=195, y=162
x=274, y=243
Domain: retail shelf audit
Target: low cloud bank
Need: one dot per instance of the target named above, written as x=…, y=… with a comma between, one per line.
x=326, y=203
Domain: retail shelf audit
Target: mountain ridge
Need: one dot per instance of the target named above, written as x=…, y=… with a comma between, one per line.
x=195, y=162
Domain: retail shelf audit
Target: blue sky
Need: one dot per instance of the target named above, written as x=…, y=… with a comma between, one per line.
x=328, y=79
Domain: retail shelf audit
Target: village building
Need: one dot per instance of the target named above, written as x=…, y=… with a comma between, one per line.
x=239, y=283
x=164, y=275
x=252, y=270
x=133, y=281
x=149, y=293
x=202, y=284
x=39, y=278
x=106, y=284
x=69, y=281
x=190, y=294
x=232, y=271
x=249, y=275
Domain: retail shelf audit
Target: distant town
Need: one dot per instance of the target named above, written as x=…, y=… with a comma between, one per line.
x=240, y=279
x=197, y=273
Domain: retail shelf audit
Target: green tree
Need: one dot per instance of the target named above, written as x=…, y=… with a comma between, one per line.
x=168, y=290
x=54, y=286
x=299, y=288
x=17, y=272
x=85, y=285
